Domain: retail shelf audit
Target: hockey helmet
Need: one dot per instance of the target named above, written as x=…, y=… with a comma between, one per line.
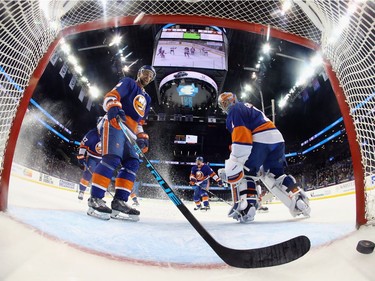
x=149, y=68
x=199, y=159
x=226, y=100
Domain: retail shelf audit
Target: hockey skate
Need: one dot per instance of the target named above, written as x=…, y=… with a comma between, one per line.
x=80, y=195
x=206, y=208
x=135, y=203
x=246, y=215
x=122, y=211
x=262, y=209
x=98, y=209
x=197, y=208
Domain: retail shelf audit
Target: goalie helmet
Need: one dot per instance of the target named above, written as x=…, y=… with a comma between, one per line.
x=226, y=100
x=149, y=68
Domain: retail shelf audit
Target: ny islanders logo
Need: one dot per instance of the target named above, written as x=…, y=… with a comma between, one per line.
x=199, y=175
x=98, y=148
x=139, y=104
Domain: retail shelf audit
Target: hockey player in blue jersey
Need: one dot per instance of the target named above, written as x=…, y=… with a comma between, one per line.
x=200, y=178
x=256, y=144
x=130, y=102
x=89, y=155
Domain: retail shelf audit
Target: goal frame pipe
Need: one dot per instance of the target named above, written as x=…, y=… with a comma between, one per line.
x=181, y=19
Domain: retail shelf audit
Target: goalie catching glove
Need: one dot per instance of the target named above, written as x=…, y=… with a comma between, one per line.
x=143, y=141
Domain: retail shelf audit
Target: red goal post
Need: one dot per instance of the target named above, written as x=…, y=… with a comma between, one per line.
x=343, y=32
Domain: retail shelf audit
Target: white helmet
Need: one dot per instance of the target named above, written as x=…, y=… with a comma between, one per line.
x=226, y=100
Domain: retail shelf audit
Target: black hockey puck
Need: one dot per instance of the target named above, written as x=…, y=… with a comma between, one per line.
x=365, y=247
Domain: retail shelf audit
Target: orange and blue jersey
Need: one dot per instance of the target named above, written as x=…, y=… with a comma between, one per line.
x=135, y=102
x=202, y=175
x=247, y=125
x=91, y=147
x=91, y=144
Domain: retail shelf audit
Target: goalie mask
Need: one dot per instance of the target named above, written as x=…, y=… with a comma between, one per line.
x=226, y=100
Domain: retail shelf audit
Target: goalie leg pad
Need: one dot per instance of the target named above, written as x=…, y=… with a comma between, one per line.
x=287, y=191
x=245, y=201
x=233, y=171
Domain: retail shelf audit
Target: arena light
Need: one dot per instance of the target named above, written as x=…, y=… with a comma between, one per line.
x=126, y=68
x=266, y=48
x=128, y=55
x=78, y=69
x=115, y=41
x=94, y=91
x=73, y=60
x=316, y=60
x=243, y=95
x=65, y=47
x=306, y=73
x=248, y=88
x=286, y=6
x=282, y=103
x=253, y=76
x=84, y=79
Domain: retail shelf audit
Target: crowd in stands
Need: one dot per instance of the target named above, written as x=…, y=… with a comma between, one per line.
x=309, y=176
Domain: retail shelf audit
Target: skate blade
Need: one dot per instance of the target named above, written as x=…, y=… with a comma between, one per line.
x=93, y=213
x=125, y=217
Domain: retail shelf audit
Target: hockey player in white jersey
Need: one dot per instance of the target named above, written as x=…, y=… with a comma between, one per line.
x=256, y=143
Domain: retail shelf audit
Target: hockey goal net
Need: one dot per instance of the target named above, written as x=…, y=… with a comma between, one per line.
x=342, y=30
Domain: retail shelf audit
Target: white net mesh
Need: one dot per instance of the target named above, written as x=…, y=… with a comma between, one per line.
x=344, y=29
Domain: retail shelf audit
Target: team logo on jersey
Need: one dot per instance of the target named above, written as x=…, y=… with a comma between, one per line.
x=98, y=148
x=139, y=104
x=199, y=175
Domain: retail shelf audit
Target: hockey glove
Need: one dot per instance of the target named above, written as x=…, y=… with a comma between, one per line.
x=114, y=110
x=193, y=181
x=82, y=161
x=142, y=141
x=220, y=182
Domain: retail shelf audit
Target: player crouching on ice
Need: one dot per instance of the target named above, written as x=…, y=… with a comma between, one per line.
x=129, y=102
x=256, y=142
x=200, y=178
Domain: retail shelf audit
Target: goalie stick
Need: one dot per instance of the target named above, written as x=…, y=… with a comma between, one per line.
x=277, y=254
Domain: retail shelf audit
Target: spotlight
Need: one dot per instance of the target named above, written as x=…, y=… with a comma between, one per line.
x=94, y=91
x=266, y=48
x=248, y=88
x=115, y=41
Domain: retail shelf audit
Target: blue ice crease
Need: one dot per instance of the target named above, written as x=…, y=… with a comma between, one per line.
x=170, y=242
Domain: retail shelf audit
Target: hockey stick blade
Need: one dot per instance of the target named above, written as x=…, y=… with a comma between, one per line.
x=277, y=254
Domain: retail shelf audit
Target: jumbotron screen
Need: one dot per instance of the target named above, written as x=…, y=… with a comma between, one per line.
x=180, y=48
x=186, y=139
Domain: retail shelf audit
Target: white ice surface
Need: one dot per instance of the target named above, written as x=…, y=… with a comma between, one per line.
x=46, y=235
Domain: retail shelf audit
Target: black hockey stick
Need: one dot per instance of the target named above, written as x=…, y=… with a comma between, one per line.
x=221, y=199
x=277, y=254
x=213, y=194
